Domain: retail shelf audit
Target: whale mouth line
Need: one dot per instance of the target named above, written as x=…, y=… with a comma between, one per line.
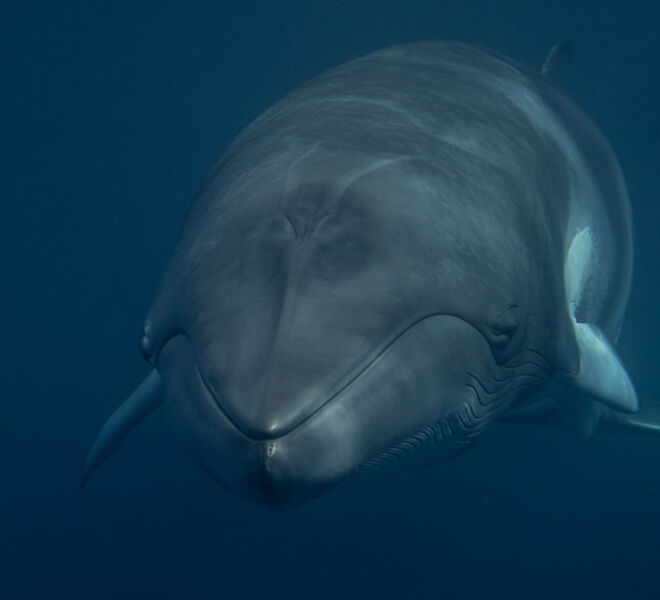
x=358, y=373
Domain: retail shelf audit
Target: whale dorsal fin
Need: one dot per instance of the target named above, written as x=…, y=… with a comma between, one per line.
x=600, y=373
x=560, y=55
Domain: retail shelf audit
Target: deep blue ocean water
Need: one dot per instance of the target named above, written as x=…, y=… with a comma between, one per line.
x=112, y=113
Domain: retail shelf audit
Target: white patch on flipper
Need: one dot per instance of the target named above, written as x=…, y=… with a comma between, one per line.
x=600, y=373
x=577, y=268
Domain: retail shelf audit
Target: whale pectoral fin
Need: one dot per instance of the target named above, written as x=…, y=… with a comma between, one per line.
x=130, y=413
x=646, y=421
x=600, y=373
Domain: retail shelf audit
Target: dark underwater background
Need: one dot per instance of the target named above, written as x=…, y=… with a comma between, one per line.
x=112, y=113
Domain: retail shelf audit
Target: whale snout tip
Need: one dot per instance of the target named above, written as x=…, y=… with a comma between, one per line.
x=281, y=482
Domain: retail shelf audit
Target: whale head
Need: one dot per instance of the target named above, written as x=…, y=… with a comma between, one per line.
x=312, y=329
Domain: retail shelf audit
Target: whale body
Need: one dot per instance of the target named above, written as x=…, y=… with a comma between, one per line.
x=394, y=257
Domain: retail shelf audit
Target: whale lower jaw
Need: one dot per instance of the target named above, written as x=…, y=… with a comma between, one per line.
x=418, y=394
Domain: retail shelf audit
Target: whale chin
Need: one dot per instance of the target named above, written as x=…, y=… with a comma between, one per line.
x=380, y=412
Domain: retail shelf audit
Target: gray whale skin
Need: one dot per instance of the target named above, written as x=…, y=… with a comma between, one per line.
x=395, y=256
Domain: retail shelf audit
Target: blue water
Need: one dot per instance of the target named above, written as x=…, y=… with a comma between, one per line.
x=112, y=113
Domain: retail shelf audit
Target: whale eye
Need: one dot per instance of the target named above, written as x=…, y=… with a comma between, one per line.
x=503, y=328
x=501, y=339
x=146, y=347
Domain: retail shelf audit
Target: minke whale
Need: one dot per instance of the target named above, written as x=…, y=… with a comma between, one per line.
x=398, y=255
